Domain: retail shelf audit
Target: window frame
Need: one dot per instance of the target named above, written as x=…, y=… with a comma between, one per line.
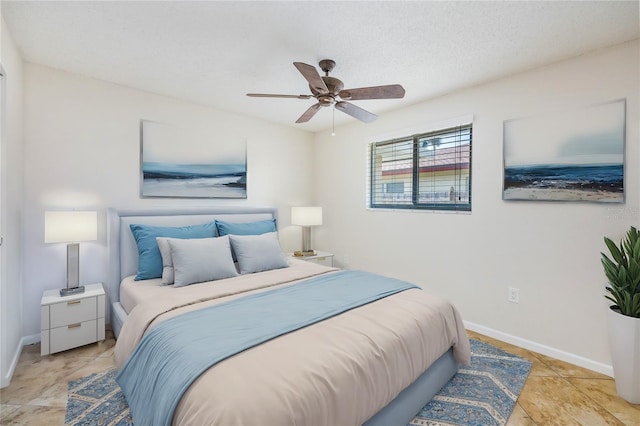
x=415, y=178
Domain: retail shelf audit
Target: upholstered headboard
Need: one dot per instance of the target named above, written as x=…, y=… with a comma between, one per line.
x=123, y=252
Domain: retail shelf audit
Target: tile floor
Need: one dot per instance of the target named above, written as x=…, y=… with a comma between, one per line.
x=556, y=393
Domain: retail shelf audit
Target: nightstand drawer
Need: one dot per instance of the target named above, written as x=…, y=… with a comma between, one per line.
x=73, y=335
x=72, y=312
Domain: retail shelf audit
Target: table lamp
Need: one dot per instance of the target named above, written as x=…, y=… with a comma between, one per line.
x=71, y=227
x=306, y=217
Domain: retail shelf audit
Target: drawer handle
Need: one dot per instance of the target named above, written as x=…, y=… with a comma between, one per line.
x=74, y=325
x=74, y=302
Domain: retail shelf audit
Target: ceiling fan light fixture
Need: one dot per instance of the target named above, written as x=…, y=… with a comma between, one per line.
x=326, y=101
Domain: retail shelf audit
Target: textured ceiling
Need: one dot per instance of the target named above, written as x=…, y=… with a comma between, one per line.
x=213, y=53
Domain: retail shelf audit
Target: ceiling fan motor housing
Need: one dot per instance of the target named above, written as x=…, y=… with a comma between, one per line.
x=327, y=99
x=333, y=84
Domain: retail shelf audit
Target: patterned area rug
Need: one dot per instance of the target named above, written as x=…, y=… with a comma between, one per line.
x=481, y=394
x=97, y=400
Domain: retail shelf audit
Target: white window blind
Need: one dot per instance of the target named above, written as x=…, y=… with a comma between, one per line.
x=425, y=171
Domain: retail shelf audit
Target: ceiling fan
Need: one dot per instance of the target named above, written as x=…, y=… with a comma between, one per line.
x=329, y=91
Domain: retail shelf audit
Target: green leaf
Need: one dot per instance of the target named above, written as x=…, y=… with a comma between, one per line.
x=635, y=306
x=616, y=253
x=615, y=302
x=633, y=272
x=610, y=269
x=636, y=249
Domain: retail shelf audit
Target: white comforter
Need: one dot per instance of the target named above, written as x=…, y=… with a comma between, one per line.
x=340, y=371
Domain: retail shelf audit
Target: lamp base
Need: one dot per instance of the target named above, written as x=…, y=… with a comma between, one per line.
x=71, y=291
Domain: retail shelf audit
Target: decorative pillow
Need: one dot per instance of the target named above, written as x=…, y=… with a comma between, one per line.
x=149, y=258
x=200, y=260
x=257, y=253
x=167, y=261
x=246, y=228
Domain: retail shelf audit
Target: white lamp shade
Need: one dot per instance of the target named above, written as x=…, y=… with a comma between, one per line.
x=306, y=216
x=70, y=227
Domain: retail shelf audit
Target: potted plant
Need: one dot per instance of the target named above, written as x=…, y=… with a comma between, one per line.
x=623, y=273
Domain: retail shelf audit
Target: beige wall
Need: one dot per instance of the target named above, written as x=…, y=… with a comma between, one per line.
x=82, y=148
x=549, y=250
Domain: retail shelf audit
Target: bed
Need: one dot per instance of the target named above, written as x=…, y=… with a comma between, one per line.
x=376, y=364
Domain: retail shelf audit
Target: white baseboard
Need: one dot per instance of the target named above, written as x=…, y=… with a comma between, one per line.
x=542, y=349
x=26, y=340
x=30, y=340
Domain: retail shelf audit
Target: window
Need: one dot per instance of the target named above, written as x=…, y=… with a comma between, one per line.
x=429, y=171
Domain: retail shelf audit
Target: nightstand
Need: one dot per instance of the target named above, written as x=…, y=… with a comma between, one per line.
x=321, y=258
x=71, y=321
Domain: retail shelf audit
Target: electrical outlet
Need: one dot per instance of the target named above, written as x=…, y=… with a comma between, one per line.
x=513, y=295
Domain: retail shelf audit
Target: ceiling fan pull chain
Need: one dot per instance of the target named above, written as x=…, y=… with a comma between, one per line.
x=333, y=121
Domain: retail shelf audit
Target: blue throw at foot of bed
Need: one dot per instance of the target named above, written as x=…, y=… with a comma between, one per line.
x=177, y=351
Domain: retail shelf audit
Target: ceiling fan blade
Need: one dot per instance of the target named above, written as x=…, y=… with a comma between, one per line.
x=391, y=91
x=309, y=113
x=311, y=75
x=267, y=95
x=356, y=112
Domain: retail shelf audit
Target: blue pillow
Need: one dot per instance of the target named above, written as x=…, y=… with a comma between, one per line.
x=246, y=228
x=149, y=258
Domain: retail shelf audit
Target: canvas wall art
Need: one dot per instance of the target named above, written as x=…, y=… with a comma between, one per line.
x=576, y=155
x=187, y=163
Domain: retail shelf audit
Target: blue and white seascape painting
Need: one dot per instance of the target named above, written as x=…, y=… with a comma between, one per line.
x=187, y=163
x=571, y=156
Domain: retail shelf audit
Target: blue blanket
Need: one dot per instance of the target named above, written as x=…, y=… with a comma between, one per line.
x=173, y=354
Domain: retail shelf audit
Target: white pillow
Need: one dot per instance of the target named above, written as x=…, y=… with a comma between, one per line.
x=167, y=261
x=257, y=253
x=201, y=259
